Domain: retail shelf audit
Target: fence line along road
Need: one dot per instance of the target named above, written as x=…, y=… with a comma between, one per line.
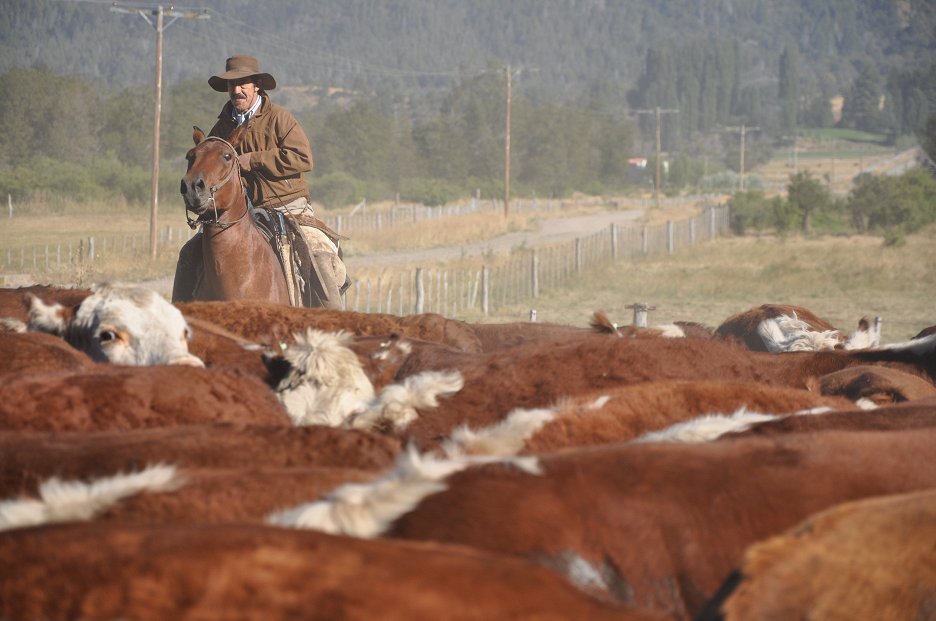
x=456, y=292
x=466, y=293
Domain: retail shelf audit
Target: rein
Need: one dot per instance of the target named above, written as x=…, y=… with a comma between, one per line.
x=235, y=168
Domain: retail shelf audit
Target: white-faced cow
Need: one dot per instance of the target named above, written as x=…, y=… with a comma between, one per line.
x=784, y=327
x=120, y=324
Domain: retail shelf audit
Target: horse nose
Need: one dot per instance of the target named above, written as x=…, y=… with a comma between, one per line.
x=192, y=187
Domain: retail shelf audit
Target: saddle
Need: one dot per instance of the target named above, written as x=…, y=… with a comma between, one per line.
x=311, y=266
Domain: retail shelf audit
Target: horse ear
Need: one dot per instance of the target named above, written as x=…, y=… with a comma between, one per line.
x=197, y=135
x=237, y=135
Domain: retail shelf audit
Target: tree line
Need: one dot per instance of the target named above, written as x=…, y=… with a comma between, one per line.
x=889, y=206
x=64, y=135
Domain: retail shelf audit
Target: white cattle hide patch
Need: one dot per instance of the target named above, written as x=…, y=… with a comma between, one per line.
x=367, y=510
x=65, y=501
x=398, y=404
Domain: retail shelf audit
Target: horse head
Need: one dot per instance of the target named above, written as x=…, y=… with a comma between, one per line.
x=211, y=184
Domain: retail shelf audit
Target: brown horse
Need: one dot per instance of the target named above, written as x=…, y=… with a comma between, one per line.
x=238, y=260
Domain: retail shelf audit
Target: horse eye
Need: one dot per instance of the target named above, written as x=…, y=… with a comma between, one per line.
x=227, y=157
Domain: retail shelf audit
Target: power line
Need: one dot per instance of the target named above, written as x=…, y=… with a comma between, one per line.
x=742, y=129
x=657, y=112
x=158, y=12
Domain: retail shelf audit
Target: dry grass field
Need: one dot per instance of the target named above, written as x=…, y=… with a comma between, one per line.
x=839, y=278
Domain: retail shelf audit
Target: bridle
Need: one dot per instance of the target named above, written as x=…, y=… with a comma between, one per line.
x=235, y=170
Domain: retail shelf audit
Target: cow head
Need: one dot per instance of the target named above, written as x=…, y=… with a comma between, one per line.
x=120, y=324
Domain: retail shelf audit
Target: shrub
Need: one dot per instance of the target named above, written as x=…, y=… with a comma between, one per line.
x=336, y=189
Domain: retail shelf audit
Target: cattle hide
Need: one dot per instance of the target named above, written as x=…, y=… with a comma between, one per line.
x=37, y=352
x=270, y=323
x=663, y=524
x=189, y=572
x=28, y=458
x=858, y=559
x=112, y=397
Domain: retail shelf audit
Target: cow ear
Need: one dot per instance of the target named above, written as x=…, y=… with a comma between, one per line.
x=52, y=318
x=197, y=134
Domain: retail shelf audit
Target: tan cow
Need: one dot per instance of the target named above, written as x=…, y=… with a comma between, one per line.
x=120, y=324
x=865, y=559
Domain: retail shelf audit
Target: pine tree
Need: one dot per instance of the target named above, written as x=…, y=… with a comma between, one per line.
x=788, y=92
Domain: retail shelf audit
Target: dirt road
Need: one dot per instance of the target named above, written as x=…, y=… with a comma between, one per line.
x=547, y=231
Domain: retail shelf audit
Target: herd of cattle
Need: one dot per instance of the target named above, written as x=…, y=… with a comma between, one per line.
x=245, y=460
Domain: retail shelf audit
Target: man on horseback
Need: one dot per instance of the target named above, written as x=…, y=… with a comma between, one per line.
x=272, y=156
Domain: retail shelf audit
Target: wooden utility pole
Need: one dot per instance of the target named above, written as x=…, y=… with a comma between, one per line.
x=743, y=129
x=159, y=12
x=656, y=183
x=507, y=148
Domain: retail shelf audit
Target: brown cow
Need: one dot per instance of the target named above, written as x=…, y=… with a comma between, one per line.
x=868, y=558
x=785, y=327
x=37, y=352
x=876, y=384
x=15, y=302
x=187, y=572
x=28, y=458
x=539, y=374
x=111, y=397
x=659, y=525
x=164, y=493
x=626, y=413
x=271, y=323
x=905, y=415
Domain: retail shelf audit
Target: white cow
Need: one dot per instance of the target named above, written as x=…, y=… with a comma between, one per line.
x=120, y=324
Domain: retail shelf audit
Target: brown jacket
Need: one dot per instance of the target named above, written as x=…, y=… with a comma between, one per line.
x=280, y=153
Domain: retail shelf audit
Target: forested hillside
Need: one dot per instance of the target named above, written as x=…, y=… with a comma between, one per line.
x=568, y=45
x=407, y=96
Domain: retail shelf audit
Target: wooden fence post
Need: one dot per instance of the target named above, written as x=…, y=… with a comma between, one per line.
x=578, y=255
x=643, y=240
x=614, y=242
x=669, y=237
x=485, y=277
x=420, y=291
x=534, y=275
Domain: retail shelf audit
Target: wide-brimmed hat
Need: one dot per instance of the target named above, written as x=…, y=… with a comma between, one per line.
x=240, y=67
